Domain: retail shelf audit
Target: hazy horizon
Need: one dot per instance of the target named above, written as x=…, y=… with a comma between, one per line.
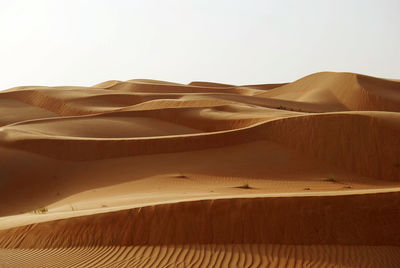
x=238, y=42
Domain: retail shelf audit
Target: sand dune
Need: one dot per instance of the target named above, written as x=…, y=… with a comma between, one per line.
x=206, y=255
x=366, y=219
x=153, y=173
x=345, y=91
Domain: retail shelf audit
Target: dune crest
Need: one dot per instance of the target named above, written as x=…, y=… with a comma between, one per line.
x=344, y=91
x=296, y=174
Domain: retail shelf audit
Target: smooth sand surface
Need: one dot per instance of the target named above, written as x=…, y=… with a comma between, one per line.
x=146, y=173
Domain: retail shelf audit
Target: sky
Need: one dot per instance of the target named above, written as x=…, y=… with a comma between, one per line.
x=85, y=42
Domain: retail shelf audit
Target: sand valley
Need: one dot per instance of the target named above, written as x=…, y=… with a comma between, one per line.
x=146, y=173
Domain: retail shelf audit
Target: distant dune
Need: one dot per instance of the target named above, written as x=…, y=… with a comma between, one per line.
x=146, y=173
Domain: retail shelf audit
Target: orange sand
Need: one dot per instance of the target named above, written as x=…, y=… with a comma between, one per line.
x=152, y=173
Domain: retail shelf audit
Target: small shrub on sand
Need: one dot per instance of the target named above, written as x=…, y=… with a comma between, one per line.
x=244, y=186
x=330, y=178
x=181, y=176
x=42, y=210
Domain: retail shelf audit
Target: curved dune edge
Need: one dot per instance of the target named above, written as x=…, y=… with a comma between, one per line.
x=206, y=255
x=355, y=91
x=151, y=173
x=365, y=143
x=20, y=220
x=367, y=219
x=199, y=118
x=319, y=92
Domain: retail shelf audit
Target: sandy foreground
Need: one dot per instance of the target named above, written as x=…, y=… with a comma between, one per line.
x=146, y=173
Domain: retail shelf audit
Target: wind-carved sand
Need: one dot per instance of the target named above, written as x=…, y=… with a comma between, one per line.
x=147, y=173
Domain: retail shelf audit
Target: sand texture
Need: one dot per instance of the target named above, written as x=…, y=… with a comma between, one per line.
x=146, y=173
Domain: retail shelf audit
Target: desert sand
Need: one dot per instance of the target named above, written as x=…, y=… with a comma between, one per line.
x=146, y=173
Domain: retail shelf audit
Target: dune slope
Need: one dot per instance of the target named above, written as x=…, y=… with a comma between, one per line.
x=152, y=173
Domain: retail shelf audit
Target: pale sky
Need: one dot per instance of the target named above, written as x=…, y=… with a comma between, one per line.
x=73, y=42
